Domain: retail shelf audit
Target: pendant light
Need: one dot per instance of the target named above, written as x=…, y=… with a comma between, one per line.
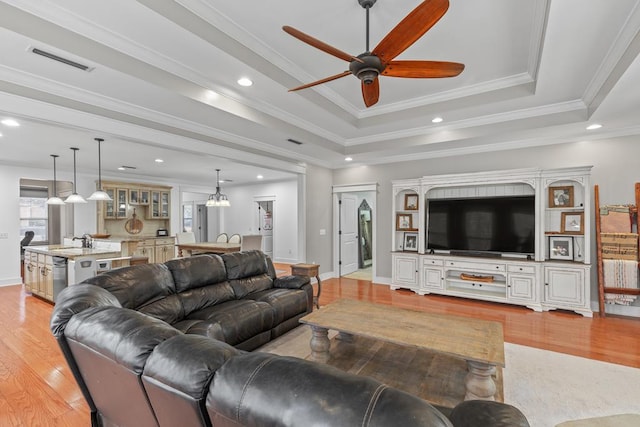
x=219, y=199
x=54, y=200
x=99, y=194
x=74, y=197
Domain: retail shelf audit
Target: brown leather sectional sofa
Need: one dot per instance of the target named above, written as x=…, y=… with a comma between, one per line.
x=166, y=345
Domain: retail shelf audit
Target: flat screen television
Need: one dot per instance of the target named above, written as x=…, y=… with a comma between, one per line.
x=478, y=226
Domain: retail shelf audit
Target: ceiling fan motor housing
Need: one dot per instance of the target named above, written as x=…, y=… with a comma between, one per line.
x=367, y=70
x=366, y=3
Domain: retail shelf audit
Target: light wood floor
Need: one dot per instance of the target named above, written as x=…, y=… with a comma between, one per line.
x=37, y=388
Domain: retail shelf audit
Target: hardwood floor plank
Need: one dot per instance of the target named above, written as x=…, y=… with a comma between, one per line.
x=37, y=387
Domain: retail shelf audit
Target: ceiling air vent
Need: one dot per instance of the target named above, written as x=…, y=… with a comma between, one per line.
x=61, y=59
x=294, y=141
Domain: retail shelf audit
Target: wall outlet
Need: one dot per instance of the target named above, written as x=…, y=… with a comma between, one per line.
x=4, y=235
x=323, y=231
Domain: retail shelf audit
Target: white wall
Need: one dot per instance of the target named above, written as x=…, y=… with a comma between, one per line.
x=241, y=216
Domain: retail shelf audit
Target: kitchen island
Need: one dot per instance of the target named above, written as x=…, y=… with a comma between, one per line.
x=49, y=269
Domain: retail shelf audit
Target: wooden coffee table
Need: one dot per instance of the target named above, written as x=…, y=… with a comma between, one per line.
x=479, y=342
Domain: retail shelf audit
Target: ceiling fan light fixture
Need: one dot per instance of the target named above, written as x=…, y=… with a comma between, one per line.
x=74, y=197
x=218, y=199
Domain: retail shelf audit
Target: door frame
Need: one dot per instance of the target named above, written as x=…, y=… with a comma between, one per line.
x=337, y=190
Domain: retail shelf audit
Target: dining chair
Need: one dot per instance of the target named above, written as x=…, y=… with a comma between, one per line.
x=235, y=238
x=186, y=237
x=250, y=242
x=222, y=238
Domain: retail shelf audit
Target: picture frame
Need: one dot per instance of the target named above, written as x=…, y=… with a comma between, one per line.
x=404, y=222
x=410, y=242
x=561, y=247
x=561, y=197
x=572, y=222
x=411, y=202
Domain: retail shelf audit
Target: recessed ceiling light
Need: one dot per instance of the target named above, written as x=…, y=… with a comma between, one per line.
x=10, y=123
x=594, y=126
x=159, y=161
x=260, y=177
x=245, y=82
x=348, y=159
x=437, y=120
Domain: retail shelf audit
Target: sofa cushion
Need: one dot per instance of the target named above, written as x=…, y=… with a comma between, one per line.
x=237, y=321
x=286, y=303
x=177, y=377
x=198, y=298
x=196, y=271
x=259, y=389
x=245, y=264
x=138, y=285
x=124, y=335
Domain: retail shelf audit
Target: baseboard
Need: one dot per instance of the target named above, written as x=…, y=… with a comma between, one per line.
x=378, y=280
x=11, y=282
x=617, y=309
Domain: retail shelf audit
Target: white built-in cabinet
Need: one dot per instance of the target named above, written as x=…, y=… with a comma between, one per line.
x=549, y=280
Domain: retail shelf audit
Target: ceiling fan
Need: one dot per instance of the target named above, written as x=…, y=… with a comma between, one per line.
x=369, y=65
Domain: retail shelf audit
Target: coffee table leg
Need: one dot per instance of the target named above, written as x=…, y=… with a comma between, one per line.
x=320, y=344
x=479, y=381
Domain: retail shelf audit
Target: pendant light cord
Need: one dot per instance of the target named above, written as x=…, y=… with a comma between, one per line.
x=55, y=189
x=99, y=164
x=74, y=170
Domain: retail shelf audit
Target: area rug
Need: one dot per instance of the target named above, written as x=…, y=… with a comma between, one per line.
x=362, y=274
x=548, y=387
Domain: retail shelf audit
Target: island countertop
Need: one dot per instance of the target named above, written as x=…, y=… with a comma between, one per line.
x=72, y=252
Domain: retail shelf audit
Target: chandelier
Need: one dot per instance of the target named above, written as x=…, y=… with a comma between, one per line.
x=218, y=199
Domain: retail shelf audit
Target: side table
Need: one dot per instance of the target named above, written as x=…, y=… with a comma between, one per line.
x=310, y=270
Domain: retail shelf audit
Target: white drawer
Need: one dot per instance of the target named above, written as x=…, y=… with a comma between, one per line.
x=473, y=266
x=435, y=262
x=525, y=269
x=166, y=241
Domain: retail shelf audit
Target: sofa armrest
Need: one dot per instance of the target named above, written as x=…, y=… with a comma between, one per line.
x=75, y=299
x=291, y=282
x=473, y=413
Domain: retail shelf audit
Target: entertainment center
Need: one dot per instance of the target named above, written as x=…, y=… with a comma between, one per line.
x=515, y=236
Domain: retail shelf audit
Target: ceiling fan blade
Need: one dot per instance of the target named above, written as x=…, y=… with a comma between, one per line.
x=410, y=29
x=423, y=69
x=327, y=79
x=371, y=92
x=320, y=45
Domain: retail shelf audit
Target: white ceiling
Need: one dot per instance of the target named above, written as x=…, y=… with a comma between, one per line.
x=163, y=83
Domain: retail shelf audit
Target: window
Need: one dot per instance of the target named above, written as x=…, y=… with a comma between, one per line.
x=34, y=213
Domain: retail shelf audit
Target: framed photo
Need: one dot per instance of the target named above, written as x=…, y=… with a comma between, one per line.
x=410, y=242
x=561, y=197
x=411, y=202
x=561, y=248
x=404, y=222
x=572, y=222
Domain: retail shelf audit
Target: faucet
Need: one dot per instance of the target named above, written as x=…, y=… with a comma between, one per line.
x=86, y=240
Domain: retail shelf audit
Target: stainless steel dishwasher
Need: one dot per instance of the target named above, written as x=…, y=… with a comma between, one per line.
x=59, y=275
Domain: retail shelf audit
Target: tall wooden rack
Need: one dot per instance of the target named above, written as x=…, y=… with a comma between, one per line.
x=602, y=289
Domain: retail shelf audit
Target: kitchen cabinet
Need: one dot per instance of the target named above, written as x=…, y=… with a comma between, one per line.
x=157, y=250
x=122, y=202
x=109, y=205
x=164, y=249
x=38, y=277
x=160, y=205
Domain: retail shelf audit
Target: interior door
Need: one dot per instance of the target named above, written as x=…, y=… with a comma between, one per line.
x=201, y=224
x=348, y=234
x=265, y=225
